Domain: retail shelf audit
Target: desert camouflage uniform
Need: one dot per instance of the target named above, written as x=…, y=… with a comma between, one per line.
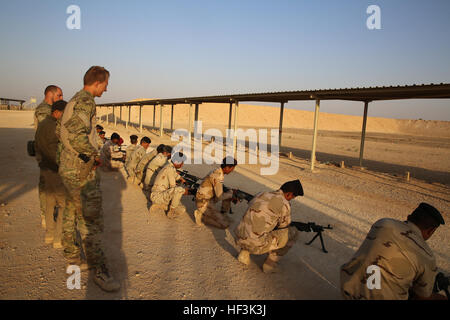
x=265, y=225
x=110, y=156
x=99, y=141
x=210, y=192
x=135, y=157
x=129, y=151
x=40, y=113
x=153, y=168
x=403, y=257
x=83, y=196
x=165, y=191
x=142, y=165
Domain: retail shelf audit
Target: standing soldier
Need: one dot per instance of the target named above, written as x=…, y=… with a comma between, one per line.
x=399, y=251
x=210, y=192
x=165, y=192
x=51, y=94
x=265, y=228
x=156, y=165
x=47, y=146
x=135, y=157
x=131, y=148
x=78, y=161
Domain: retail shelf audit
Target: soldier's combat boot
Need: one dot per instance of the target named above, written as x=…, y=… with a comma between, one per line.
x=172, y=213
x=271, y=264
x=48, y=238
x=57, y=245
x=198, y=218
x=78, y=262
x=104, y=280
x=244, y=257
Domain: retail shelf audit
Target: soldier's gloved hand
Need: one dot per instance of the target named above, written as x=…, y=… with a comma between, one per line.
x=84, y=157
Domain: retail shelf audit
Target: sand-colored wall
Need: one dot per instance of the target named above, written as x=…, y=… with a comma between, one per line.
x=216, y=115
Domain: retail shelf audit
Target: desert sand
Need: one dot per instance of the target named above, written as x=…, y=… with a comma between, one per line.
x=157, y=258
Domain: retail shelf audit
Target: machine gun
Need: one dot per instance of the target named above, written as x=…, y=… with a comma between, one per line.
x=312, y=227
x=442, y=283
x=192, y=182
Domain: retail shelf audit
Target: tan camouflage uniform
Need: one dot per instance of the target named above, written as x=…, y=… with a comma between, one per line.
x=403, y=257
x=135, y=157
x=143, y=163
x=165, y=192
x=99, y=141
x=40, y=113
x=129, y=151
x=153, y=168
x=110, y=155
x=209, y=193
x=265, y=226
x=83, y=196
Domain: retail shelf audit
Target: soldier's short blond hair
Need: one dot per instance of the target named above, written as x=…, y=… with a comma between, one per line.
x=95, y=73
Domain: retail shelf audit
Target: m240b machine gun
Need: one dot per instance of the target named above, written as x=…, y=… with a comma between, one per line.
x=312, y=227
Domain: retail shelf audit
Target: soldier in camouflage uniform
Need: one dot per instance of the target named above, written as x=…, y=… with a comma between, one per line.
x=46, y=142
x=141, y=167
x=51, y=94
x=210, y=192
x=155, y=165
x=165, y=193
x=130, y=149
x=265, y=228
x=406, y=263
x=110, y=155
x=78, y=161
x=135, y=157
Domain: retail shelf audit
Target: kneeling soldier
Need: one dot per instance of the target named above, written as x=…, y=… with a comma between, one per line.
x=155, y=165
x=265, y=225
x=210, y=192
x=165, y=191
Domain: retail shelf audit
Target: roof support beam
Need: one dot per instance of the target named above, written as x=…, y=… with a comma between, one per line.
x=190, y=121
x=154, y=115
x=281, y=124
x=363, y=133
x=161, y=129
x=171, y=118
x=114, y=115
x=196, y=119
x=140, y=119
x=129, y=117
x=236, y=111
x=230, y=113
x=316, y=125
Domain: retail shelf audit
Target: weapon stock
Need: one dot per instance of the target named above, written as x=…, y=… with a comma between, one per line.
x=442, y=283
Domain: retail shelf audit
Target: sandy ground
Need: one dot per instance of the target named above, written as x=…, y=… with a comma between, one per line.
x=157, y=258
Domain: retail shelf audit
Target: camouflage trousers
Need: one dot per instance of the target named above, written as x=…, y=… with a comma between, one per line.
x=41, y=190
x=170, y=196
x=83, y=210
x=209, y=214
x=278, y=242
x=55, y=196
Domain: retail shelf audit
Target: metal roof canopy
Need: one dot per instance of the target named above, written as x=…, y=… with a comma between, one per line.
x=429, y=91
x=366, y=95
x=15, y=100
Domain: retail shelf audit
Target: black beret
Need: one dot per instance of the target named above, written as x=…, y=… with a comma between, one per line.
x=59, y=105
x=430, y=211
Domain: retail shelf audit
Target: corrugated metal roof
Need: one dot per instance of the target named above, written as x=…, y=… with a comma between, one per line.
x=422, y=91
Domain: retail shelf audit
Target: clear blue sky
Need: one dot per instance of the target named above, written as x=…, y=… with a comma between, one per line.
x=168, y=48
